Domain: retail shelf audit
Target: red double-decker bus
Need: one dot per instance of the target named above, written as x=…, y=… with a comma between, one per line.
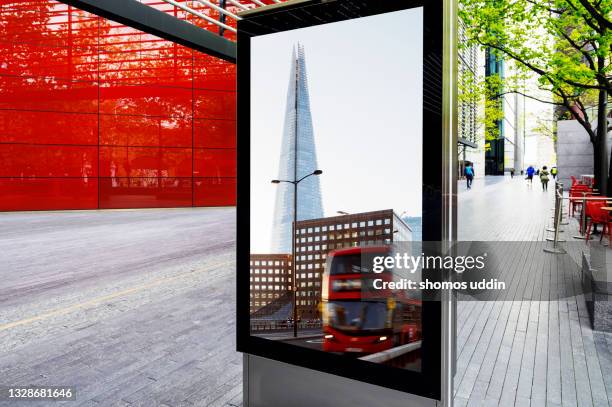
x=357, y=318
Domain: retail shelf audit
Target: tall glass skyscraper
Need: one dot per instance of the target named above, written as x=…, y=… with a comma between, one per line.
x=298, y=142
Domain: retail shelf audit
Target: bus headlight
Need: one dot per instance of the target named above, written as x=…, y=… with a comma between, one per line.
x=382, y=339
x=346, y=285
x=329, y=336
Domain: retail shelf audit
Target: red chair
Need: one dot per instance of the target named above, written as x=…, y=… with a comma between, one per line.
x=576, y=192
x=607, y=229
x=574, y=180
x=597, y=216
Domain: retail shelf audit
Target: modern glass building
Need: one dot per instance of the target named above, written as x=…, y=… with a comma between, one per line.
x=495, y=149
x=95, y=114
x=298, y=157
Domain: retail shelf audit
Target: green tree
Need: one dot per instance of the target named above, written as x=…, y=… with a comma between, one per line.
x=565, y=43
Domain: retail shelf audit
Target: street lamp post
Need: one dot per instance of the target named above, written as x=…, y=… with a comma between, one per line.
x=293, y=236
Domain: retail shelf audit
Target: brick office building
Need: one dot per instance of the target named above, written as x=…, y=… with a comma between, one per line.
x=270, y=279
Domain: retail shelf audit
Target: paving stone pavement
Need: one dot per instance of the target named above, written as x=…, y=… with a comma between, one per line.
x=133, y=308
x=533, y=346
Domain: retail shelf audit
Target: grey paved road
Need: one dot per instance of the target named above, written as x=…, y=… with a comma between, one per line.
x=533, y=345
x=131, y=307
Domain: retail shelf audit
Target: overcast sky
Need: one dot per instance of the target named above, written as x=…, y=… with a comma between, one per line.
x=365, y=83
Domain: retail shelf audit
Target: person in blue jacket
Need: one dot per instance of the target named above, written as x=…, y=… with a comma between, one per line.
x=530, y=172
x=469, y=174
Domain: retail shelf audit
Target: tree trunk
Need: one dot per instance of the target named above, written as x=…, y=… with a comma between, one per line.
x=596, y=162
x=602, y=137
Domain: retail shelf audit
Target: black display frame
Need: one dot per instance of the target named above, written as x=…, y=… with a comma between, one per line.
x=301, y=14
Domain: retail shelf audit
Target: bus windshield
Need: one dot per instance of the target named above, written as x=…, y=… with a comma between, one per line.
x=357, y=315
x=350, y=264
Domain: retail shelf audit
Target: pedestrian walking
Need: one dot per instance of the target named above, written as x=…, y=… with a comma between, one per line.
x=530, y=172
x=511, y=172
x=544, y=178
x=469, y=174
x=553, y=172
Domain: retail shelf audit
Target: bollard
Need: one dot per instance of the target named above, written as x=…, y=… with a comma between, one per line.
x=556, y=229
x=556, y=249
x=557, y=211
x=561, y=206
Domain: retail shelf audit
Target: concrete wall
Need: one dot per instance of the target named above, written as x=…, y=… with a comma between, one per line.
x=574, y=151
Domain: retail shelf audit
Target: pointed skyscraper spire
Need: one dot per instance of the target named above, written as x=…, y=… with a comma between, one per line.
x=298, y=142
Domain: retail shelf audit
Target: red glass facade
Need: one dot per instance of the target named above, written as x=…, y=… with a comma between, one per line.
x=94, y=114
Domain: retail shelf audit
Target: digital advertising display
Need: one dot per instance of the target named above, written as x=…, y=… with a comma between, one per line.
x=335, y=181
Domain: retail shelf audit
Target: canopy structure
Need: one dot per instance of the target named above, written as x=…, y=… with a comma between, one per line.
x=205, y=25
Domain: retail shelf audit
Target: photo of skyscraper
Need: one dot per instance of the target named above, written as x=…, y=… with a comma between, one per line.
x=298, y=158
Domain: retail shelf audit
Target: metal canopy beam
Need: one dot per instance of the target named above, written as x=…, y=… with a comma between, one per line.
x=466, y=142
x=152, y=21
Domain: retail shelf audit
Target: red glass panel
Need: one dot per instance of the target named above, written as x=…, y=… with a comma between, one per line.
x=215, y=104
x=213, y=73
x=59, y=95
x=145, y=162
x=158, y=66
x=215, y=163
x=48, y=127
x=44, y=61
x=48, y=39
x=25, y=160
x=145, y=131
x=48, y=193
x=214, y=191
x=118, y=192
x=54, y=113
x=214, y=133
x=166, y=101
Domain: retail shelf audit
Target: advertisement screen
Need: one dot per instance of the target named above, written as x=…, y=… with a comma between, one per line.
x=336, y=177
x=346, y=137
